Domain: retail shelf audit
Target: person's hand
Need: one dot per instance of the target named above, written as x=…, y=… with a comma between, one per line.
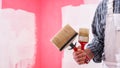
x=79, y=56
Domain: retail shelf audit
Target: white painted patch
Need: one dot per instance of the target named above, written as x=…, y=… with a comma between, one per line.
x=17, y=39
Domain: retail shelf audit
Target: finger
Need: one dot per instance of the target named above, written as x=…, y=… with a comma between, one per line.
x=79, y=47
x=77, y=52
x=80, y=63
x=80, y=59
x=78, y=56
x=81, y=55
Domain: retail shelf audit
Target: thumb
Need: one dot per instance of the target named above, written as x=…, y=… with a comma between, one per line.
x=79, y=47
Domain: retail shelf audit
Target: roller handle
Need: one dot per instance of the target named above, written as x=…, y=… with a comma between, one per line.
x=75, y=49
x=82, y=48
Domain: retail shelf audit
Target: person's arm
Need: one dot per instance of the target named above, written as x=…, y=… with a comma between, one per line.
x=89, y=53
x=98, y=27
x=95, y=49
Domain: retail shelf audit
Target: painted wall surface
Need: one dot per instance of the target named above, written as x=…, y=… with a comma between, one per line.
x=48, y=20
x=0, y=4
x=47, y=56
x=17, y=39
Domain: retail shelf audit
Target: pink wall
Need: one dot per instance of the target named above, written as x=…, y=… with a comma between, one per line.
x=51, y=23
x=48, y=22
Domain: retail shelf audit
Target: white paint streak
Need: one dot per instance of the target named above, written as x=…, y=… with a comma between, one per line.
x=17, y=39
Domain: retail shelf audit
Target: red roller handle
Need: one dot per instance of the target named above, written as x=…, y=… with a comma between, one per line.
x=82, y=47
x=75, y=49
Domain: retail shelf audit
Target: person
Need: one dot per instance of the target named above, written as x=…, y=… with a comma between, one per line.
x=102, y=46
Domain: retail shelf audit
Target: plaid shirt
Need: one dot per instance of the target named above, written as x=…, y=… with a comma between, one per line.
x=98, y=29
